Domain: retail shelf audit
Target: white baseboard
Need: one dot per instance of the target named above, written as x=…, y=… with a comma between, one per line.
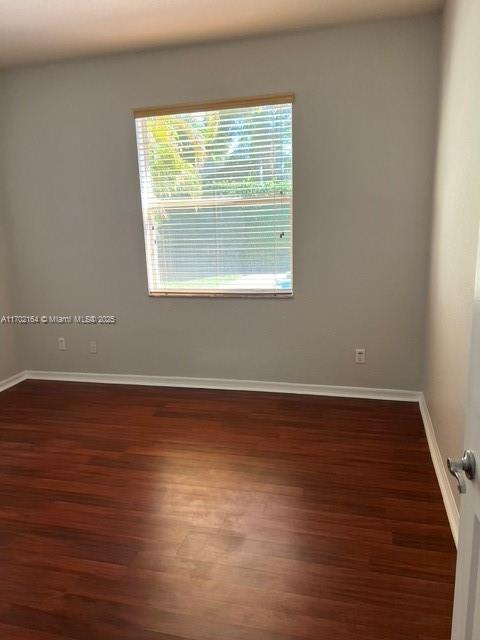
x=12, y=381
x=441, y=470
x=233, y=385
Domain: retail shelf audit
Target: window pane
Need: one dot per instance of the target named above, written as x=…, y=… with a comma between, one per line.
x=217, y=200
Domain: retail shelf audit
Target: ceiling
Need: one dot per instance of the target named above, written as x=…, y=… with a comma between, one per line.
x=33, y=31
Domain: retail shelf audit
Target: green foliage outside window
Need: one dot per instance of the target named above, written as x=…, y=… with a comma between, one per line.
x=195, y=155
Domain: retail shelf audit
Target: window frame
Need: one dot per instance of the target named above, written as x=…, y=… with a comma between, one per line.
x=234, y=103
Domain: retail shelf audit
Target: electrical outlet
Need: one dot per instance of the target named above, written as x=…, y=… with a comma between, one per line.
x=360, y=356
x=92, y=345
x=62, y=344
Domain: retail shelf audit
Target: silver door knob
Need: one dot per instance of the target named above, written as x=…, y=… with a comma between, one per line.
x=462, y=467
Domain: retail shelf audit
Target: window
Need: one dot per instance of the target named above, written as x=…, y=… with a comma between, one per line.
x=216, y=185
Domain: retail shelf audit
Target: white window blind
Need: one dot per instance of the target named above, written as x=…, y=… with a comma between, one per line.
x=216, y=186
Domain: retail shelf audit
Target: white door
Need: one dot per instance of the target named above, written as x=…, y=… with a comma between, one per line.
x=466, y=611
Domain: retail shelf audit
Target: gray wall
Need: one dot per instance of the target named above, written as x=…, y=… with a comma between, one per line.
x=9, y=361
x=455, y=228
x=9, y=364
x=364, y=139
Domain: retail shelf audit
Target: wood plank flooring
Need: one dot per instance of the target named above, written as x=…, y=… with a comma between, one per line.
x=137, y=513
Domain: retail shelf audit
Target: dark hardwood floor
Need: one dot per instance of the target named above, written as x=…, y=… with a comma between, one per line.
x=136, y=513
